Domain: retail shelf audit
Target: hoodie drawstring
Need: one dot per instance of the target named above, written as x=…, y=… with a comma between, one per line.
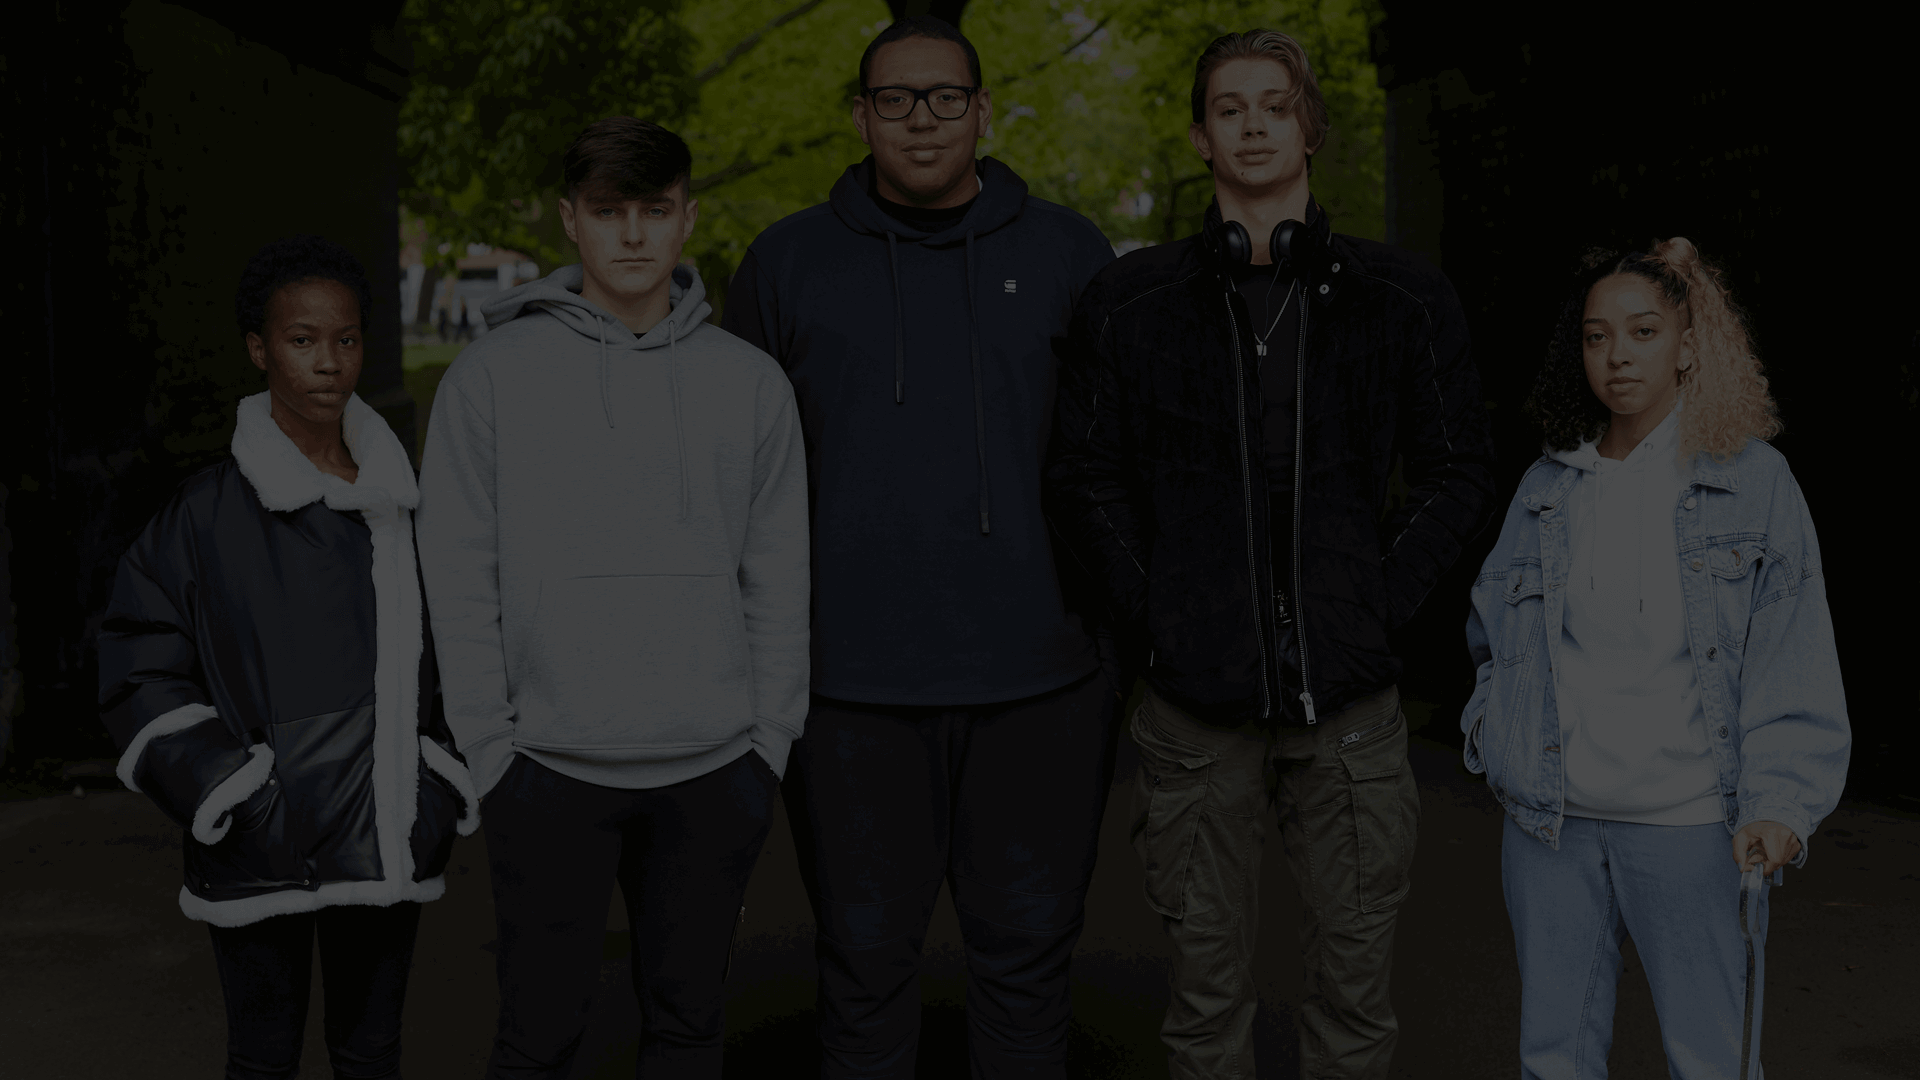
x=899, y=328
x=979, y=400
x=606, y=405
x=679, y=430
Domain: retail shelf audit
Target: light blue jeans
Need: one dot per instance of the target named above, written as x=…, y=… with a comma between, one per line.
x=1677, y=892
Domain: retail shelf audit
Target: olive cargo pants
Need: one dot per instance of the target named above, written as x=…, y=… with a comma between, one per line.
x=1348, y=810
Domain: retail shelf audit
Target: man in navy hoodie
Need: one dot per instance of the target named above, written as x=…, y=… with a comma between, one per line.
x=961, y=726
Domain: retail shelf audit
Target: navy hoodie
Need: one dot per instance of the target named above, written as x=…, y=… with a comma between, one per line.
x=924, y=368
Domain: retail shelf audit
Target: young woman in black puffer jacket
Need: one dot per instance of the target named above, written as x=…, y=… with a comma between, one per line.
x=266, y=667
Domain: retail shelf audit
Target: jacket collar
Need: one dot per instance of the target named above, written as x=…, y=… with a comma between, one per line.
x=1707, y=472
x=284, y=479
x=1556, y=493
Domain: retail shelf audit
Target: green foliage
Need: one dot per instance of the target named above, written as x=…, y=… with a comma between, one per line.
x=1090, y=106
x=500, y=87
x=772, y=128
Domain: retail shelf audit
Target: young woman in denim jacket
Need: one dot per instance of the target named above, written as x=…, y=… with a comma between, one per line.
x=1656, y=673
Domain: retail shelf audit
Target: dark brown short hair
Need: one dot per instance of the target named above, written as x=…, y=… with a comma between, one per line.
x=631, y=158
x=1272, y=45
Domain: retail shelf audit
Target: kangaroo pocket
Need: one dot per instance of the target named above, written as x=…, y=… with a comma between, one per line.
x=636, y=667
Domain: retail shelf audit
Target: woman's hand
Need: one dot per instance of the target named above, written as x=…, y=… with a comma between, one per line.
x=1768, y=843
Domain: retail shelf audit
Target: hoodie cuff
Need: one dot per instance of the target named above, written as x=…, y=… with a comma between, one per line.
x=487, y=760
x=772, y=744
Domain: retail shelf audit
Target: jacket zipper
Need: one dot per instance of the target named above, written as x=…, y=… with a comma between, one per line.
x=1299, y=487
x=1246, y=487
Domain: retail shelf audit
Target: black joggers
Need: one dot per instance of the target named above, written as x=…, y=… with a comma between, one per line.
x=1003, y=802
x=266, y=971
x=682, y=855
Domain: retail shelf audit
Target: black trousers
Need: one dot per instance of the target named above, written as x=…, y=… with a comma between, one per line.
x=682, y=855
x=1001, y=801
x=266, y=970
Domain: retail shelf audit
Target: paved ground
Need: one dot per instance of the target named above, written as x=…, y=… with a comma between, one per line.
x=101, y=976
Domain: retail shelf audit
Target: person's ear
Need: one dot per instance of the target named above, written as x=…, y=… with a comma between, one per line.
x=566, y=219
x=861, y=118
x=1197, y=135
x=1689, y=354
x=984, y=102
x=256, y=350
x=692, y=215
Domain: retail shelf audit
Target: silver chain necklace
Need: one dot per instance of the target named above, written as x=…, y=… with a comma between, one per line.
x=1260, y=340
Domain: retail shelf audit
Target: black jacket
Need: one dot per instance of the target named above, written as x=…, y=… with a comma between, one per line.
x=923, y=365
x=1157, y=478
x=266, y=671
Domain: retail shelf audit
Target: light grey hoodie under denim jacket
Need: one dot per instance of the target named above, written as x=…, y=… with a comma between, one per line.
x=1757, y=624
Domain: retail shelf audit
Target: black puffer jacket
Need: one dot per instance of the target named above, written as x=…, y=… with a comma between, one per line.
x=1156, y=474
x=265, y=668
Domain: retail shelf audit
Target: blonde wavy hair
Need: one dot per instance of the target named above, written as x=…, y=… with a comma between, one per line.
x=1727, y=401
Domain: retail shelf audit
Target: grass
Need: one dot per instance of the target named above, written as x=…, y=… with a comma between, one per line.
x=414, y=357
x=421, y=382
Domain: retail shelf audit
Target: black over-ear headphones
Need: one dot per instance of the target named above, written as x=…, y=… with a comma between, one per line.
x=1229, y=242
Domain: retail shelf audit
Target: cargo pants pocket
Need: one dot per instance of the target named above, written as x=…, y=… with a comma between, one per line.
x=1169, y=790
x=1360, y=832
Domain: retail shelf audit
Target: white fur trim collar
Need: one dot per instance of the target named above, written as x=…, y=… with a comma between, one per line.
x=285, y=480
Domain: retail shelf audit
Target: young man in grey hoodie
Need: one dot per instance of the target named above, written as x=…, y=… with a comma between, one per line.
x=613, y=532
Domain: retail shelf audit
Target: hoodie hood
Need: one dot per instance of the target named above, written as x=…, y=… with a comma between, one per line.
x=1614, y=499
x=558, y=295
x=1003, y=195
x=1662, y=441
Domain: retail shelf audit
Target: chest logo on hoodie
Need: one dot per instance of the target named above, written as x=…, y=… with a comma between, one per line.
x=1012, y=285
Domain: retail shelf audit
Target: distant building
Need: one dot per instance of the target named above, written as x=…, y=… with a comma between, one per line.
x=450, y=310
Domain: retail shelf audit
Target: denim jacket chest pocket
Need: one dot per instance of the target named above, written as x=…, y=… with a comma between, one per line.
x=1525, y=595
x=1732, y=569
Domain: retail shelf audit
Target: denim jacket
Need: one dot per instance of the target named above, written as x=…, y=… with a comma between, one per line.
x=1757, y=623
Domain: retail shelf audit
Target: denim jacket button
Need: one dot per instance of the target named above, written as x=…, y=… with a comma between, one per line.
x=1723, y=731
x=1696, y=564
x=1712, y=651
x=1689, y=503
x=1156, y=781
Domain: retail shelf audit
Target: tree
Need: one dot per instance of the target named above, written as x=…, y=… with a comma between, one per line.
x=499, y=89
x=1090, y=106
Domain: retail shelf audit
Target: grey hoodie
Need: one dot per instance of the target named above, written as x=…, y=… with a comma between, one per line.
x=613, y=533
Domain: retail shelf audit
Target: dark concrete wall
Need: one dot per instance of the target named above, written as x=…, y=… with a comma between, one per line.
x=1520, y=134
x=152, y=148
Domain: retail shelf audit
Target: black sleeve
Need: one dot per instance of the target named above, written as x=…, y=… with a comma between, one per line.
x=153, y=697
x=1447, y=450
x=1091, y=490
x=750, y=311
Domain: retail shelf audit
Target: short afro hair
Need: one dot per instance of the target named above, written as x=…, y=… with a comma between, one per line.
x=919, y=26
x=287, y=262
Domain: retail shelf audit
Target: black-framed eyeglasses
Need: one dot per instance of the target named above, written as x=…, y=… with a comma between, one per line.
x=898, y=102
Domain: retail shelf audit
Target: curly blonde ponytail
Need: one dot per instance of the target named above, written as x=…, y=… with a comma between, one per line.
x=1726, y=393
